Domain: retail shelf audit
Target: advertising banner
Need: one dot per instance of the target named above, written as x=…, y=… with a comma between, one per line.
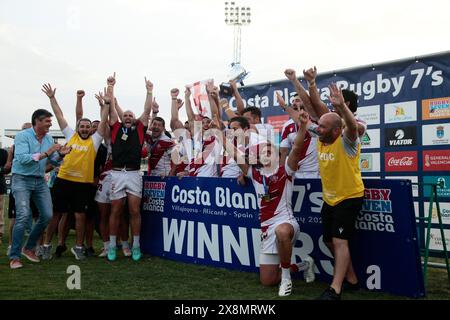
x=405, y=104
x=215, y=222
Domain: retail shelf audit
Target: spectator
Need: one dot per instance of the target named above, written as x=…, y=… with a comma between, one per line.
x=28, y=170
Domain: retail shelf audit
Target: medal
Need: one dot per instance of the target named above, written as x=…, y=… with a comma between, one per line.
x=124, y=135
x=266, y=197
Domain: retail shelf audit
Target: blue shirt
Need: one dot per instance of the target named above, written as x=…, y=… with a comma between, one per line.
x=26, y=149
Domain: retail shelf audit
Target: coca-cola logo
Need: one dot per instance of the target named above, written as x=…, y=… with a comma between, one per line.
x=402, y=162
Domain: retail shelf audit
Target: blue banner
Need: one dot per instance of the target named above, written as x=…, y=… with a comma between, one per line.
x=406, y=105
x=215, y=221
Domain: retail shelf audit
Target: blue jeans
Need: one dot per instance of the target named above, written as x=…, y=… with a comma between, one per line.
x=25, y=188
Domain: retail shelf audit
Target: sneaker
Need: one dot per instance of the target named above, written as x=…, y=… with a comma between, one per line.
x=126, y=251
x=78, y=253
x=112, y=254
x=46, y=252
x=8, y=251
x=59, y=250
x=136, y=253
x=104, y=253
x=90, y=252
x=350, y=287
x=309, y=275
x=329, y=294
x=30, y=255
x=39, y=250
x=285, y=287
x=15, y=264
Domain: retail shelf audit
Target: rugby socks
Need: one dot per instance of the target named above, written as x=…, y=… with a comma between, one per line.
x=302, y=266
x=106, y=245
x=285, y=271
x=112, y=241
x=136, y=242
x=125, y=245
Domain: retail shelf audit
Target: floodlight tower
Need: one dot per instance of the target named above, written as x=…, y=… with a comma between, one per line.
x=237, y=17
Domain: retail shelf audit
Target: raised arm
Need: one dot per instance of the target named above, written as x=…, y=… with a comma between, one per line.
x=213, y=98
x=47, y=89
x=291, y=112
x=304, y=96
x=295, y=154
x=155, y=109
x=148, y=103
x=237, y=96
x=104, y=113
x=79, y=106
x=175, y=122
x=113, y=115
x=319, y=107
x=187, y=98
x=337, y=100
x=224, y=106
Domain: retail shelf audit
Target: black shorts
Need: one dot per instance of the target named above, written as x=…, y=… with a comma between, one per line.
x=3, y=189
x=70, y=196
x=92, y=206
x=12, y=208
x=339, y=221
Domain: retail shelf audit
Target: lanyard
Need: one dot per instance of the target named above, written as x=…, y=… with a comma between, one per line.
x=125, y=130
x=265, y=185
x=152, y=146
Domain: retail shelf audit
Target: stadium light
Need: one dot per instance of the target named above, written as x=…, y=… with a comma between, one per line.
x=237, y=16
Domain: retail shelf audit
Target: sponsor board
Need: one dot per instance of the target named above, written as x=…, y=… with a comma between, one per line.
x=436, y=239
x=370, y=114
x=436, y=160
x=438, y=108
x=414, y=179
x=369, y=162
x=370, y=139
x=436, y=134
x=400, y=161
x=277, y=122
x=443, y=188
x=445, y=212
x=400, y=112
x=400, y=137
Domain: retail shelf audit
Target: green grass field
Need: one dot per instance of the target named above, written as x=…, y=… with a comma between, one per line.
x=155, y=278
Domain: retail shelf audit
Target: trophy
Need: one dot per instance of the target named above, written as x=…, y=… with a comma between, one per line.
x=238, y=74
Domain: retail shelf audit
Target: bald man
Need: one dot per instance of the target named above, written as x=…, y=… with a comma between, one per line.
x=127, y=138
x=342, y=187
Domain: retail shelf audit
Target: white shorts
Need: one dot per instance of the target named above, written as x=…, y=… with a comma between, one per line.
x=269, y=251
x=307, y=175
x=125, y=182
x=103, y=194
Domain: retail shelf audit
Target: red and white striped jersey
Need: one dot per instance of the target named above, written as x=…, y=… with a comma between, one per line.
x=159, y=150
x=279, y=187
x=207, y=162
x=308, y=166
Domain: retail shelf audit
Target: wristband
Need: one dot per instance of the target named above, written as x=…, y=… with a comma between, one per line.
x=46, y=154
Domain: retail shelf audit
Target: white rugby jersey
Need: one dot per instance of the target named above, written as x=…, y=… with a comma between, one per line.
x=308, y=166
x=279, y=188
